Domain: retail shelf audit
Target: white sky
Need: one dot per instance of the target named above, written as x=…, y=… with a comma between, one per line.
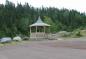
x=79, y=5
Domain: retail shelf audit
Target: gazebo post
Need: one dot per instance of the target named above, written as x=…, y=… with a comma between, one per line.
x=49, y=30
x=36, y=32
x=44, y=31
x=30, y=30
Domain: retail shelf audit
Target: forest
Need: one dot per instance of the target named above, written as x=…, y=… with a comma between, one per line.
x=15, y=20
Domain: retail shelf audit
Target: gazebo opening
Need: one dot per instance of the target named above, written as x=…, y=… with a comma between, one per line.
x=39, y=30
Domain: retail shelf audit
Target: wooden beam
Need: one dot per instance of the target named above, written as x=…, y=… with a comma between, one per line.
x=30, y=31
x=36, y=33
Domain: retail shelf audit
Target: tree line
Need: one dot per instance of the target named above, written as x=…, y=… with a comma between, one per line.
x=15, y=20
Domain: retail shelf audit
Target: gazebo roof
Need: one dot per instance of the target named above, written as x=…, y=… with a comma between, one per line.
x=39, y=22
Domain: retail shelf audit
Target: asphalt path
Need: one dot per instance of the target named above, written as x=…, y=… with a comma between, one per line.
x=53, y=49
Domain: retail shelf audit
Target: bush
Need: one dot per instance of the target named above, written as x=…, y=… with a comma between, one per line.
x=64, y=33
x=2, y=34
x=76, y=33
x=17, y=38
x=83, y=32
x=26, y=38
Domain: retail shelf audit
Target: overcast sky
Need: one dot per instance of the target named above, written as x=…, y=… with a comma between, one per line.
x=79, y=5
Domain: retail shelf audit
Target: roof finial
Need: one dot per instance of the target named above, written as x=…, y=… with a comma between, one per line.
x=39, y=17
x=39, y=20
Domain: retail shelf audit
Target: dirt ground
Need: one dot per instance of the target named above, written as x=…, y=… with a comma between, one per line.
x=50, y=49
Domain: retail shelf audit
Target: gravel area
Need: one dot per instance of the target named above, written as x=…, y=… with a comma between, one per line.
x=52, y=49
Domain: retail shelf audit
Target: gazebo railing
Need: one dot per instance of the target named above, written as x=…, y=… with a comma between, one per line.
x=39, y=35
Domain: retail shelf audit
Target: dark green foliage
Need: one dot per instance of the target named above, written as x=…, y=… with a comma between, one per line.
x=15, y=20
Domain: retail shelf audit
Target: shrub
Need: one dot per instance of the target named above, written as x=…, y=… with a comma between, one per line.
x=64, y=33
x=76, y=33
x=17, y=38
x=26, y=38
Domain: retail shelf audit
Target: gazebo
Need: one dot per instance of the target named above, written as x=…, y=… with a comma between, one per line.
x=38, y=30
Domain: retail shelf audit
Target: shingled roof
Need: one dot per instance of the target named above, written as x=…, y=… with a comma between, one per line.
x=39, y=22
